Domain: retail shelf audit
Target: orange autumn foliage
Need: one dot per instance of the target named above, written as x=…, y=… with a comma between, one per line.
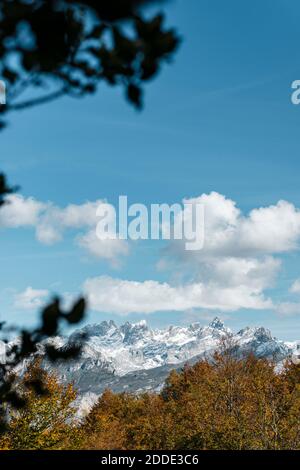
x=227, y=403
x=224, y=403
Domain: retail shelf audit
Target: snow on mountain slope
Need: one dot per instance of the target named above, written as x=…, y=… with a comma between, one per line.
x=135, y=346
x=134, y=357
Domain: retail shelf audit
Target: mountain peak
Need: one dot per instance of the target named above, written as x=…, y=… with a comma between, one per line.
x=262, y=334
x=141, y=323
x=217, y=323
x=134, y=332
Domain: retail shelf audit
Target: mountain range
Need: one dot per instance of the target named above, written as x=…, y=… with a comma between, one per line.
x=134, y=357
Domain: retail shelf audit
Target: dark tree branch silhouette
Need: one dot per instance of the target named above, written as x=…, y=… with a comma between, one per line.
x=36, y=101
x=69, y=47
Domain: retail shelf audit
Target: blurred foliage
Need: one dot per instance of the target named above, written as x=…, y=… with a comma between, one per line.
x=68, y=47
x=26, y=349
x=4, y=189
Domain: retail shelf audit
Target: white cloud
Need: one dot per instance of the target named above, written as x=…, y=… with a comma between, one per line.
x=295, y=287
x=55, y=220
x=31, y=299
x=34, y=299
x=288, y=309
x=106, y=294
x=240, y=252
x=257, y=274
x=51, y=222
x=228, y=233
x=112, y=250
x=20, y=212
x=239, y=261
x=266, y=230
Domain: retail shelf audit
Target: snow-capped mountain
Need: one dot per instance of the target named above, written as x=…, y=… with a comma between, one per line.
x=135, y=357
x=135, y=346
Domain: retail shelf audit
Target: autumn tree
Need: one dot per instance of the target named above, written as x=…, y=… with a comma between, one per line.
x=228, y=402
x=235, y=403
x=125, y=421
x=48, y=418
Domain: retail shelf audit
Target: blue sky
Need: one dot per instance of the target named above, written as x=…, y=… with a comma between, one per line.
x=219, y=118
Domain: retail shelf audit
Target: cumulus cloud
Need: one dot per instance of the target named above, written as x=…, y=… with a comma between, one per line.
x=239, y=261
x=295, y=287
x=288, y=309
x=20, y=212
x=55, y=220
x=51, y=222
x=228, y=232
x=240, y=251
x=106, y=294
x=111, y=250
x=34, y=299
x=257, y=274
x=31, y=299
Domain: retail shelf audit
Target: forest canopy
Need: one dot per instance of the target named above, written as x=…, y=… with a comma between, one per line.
x=229, y=403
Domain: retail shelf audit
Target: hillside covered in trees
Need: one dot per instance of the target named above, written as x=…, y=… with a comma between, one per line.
x=228, y=403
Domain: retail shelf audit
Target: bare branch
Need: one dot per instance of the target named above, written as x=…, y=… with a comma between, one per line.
x=36, y=101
